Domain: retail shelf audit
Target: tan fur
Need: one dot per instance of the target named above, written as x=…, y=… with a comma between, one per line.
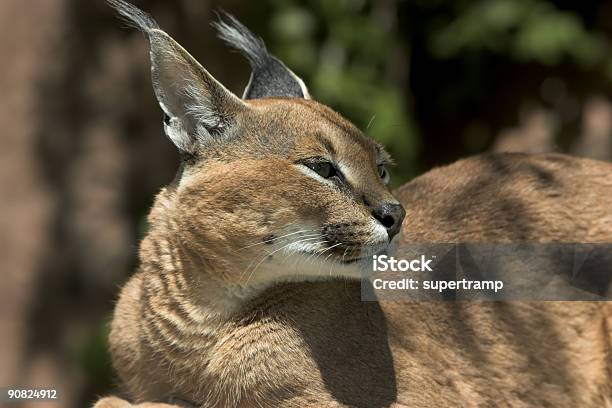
x=247, y=294
x=511, y=197
x=191, y=326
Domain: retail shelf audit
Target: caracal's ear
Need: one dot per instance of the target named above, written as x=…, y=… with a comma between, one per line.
x=270, y=77
x=197, y=108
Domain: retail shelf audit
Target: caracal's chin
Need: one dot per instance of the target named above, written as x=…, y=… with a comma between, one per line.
x=312, y=265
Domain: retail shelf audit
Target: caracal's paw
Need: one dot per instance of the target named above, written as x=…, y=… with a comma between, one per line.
x=114, y=402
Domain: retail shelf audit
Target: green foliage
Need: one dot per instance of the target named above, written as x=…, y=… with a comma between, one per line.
x=525, y=30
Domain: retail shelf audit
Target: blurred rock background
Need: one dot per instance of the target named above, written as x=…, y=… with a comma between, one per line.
x=82, y=150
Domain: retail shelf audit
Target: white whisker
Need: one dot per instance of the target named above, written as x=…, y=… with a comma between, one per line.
x=277, y=238
x=273, y=252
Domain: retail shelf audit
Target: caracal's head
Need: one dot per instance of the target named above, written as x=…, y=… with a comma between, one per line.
x=273, y=185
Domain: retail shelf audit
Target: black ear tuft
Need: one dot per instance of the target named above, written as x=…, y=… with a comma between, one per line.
x=270, y=77
x=134, y=16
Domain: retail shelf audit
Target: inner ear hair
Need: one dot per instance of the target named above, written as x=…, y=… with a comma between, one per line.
x=198, y=109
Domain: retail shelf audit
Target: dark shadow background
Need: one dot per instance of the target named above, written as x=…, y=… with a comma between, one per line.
x=83, y=153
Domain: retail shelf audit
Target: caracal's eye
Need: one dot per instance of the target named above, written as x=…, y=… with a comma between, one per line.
x=324, y=169
x=383, y=173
